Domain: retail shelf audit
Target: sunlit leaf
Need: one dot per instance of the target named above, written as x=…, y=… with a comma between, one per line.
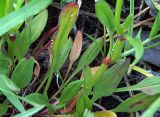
x=88, y=113
x=9, y=94
x=30, y=112
x=149, y=86
x=105, y=114
x=138, y=102
x=18, y=16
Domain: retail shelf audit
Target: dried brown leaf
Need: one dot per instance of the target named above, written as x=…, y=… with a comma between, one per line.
x=36, y=69
x=76, y=48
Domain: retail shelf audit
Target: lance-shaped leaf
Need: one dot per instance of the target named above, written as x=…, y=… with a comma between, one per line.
x=138, y=102
x=67, y=20
x=76, y=48
x=139, y=49
x=30, y=112
x=88, y=56
x=109, y=81
x=75, y=51
x=118, y=11
x=18, y=16
x=22, y=74
x=70, y=91
x=5, y=88
x=37, y=25
x=105, y=15
x=127, y=23
x=155, y=27
x=149, y=86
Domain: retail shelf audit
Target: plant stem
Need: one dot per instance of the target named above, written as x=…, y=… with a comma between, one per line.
x=111, y=45
x=104, y=42
x=51, y=71
x=130, y=32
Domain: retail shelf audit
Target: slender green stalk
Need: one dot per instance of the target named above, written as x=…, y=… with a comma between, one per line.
x=118, y=16
x=126, y=53
x=111, y=45
x=104, y=42
x=130, y=32
x=50, y=75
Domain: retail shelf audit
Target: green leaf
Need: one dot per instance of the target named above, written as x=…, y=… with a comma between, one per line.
x=155, y=27
x=5, y=64
x=37, y=24
x=88, y=113
x=3, y=109
x=138, y=102
x=139, y=49
x=18, y=16
x=9, y=6
x=9, y=83
x=70, y=91
x=62, y=55
x=38, y=98
x=109, y=81
x=22, y=74
x=22, y=39
x=118, y=11
x=2, y=8
x=66, y=22
x=152, y=108
x=87, y=80
x=88, y=56
x=83, y=102
x=105, y=15
x=149, y=86
x=30, y=112
x=9, y=94
x=127, y=23
x=117, y=50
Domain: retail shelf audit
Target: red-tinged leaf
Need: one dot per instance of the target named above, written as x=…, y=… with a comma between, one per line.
x=105, y=114
x=76, y=48
x=67, y=20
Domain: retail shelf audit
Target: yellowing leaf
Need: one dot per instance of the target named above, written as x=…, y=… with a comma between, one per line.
x=105, y=114
x=76, y=48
